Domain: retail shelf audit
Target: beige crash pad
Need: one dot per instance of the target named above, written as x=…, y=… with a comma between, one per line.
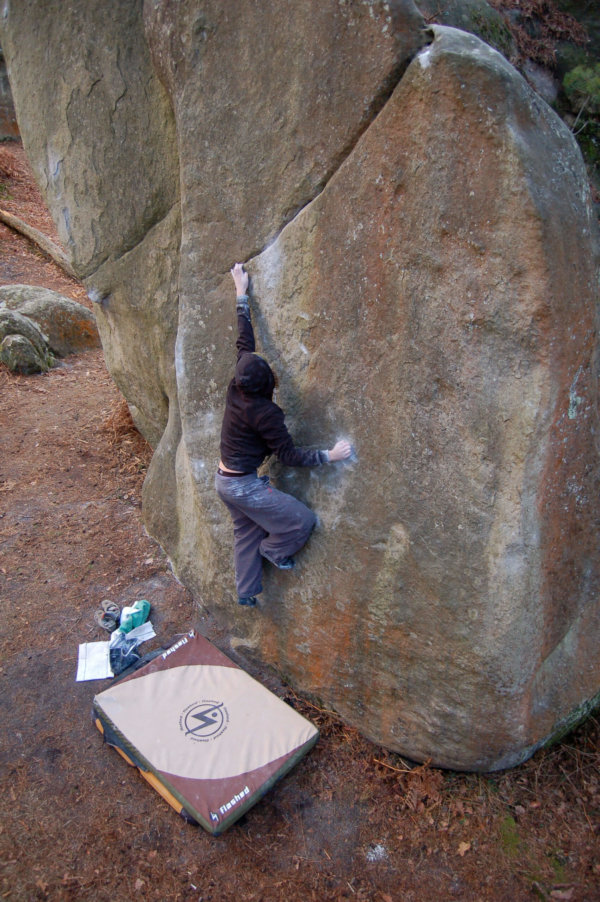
x=206, y=735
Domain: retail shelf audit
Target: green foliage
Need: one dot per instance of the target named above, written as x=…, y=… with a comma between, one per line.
x=589, y=141
x=582, y=87
x=557, y=861
x=509, y=837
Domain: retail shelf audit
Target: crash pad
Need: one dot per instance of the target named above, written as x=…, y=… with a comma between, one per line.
x=204, y=733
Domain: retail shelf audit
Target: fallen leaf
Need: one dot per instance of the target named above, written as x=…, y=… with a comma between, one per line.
x=463, y=847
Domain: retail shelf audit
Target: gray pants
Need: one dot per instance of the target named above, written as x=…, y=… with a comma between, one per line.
x=266, y=523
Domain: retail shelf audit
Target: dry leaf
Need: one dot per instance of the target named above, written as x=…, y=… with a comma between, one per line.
x=463, y=847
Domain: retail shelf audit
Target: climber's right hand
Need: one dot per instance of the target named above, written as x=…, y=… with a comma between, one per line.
x=240, y=277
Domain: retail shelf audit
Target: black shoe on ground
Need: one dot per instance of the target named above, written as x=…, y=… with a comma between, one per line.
x=248, y=601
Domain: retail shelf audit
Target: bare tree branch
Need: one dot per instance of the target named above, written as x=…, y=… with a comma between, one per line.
x=40, y=240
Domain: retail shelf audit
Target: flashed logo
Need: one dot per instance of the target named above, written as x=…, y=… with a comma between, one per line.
x=205, y=720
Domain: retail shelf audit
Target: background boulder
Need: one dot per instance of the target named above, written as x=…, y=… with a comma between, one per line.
x=30, y=353
x=419, y=230
x=20, y=355
x=68, y=327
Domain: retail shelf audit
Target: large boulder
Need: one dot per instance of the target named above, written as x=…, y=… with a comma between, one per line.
x=419, y=230
x=69, y=327
x=431, y=312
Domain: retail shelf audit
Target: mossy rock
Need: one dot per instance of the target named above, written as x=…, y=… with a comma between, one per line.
x=20, y=356
x=474, y=16
x=14, y=323
x=30, y=353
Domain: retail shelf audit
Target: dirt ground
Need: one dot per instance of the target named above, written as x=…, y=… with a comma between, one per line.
x=351, y=821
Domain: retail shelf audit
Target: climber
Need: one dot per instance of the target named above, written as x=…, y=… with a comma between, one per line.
x=267, y=523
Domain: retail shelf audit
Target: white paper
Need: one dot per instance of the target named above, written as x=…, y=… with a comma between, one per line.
x=143, y=632
x=93, y=662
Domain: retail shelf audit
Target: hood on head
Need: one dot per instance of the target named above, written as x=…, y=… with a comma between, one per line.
x=254, y=376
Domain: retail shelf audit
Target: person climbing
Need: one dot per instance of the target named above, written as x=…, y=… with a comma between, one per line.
x=267, y=523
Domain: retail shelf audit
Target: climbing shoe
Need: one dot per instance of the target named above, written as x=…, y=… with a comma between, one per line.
x=248, y=601
x=286, y=563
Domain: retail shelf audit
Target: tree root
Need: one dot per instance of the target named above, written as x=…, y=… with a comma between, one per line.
x=40, y=240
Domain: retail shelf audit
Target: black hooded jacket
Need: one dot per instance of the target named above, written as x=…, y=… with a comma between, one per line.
x=253, y=425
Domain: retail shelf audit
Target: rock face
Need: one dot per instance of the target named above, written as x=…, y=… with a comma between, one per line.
x=99, y=133
x=8, y=121
x=418, y=227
